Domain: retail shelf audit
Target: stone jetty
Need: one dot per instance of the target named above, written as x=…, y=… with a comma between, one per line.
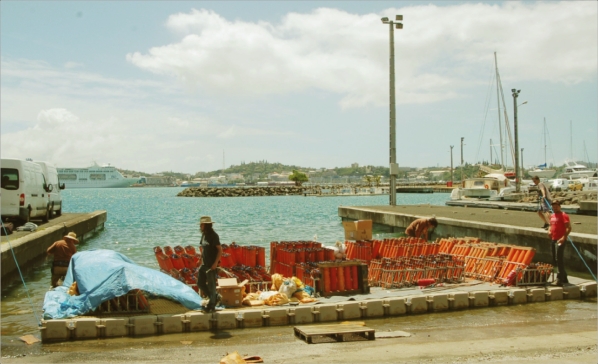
x=241, y=191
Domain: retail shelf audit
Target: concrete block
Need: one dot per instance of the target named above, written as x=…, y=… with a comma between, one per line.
x=225, y=320
x=55, y=330
x=171, y=323
x=536, y=295
x=115, y=327
x=86, y=328
x=458, y=300
x=571, y=292
x=326, y=313
x=479, y=299
x=143, y=325
x=199, y=321
x=554, y=293
x=438, y=302
x=373, y=308
x=277, y=317
x=251, y=318
x=517, y=296
x=350, y=310
x=418, y=305
x=302, y=315
x=499, y=298
x=588, y=289
x=395, y=306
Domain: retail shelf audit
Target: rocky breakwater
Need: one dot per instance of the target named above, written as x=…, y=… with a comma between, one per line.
x=240, y=191
x=566, y=198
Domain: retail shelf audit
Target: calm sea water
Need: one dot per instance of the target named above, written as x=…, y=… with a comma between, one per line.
x=142, y=218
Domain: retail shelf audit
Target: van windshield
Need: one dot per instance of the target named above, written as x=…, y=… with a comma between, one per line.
x=10, y=179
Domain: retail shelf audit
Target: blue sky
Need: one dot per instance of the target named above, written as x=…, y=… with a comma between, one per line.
x=157, y=86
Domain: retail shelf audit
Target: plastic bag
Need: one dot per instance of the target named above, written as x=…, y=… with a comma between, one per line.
x=276, y=281
x=277, y=299
x=288, y=287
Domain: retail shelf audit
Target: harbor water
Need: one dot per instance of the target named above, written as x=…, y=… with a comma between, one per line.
x=142, y=218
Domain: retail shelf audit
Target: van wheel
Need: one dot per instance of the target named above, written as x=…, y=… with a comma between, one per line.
x=28, y=217
x=46, y=217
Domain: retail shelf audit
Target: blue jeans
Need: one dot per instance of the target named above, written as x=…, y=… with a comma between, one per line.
x=206, y=281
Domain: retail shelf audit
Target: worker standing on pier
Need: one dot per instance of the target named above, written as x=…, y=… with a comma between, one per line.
x=560, y=228
x=545, y=200
x=62, y=250
x=419, y=228
x=211, y=251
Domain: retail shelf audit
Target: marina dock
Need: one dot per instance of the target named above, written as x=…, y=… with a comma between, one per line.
x=514, y=227
x=30, y=246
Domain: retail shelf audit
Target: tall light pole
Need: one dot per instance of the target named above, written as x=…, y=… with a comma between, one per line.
x=522, y=165
x=394, y=167
x=452, y=165
x=462, y=138
x=517, y=180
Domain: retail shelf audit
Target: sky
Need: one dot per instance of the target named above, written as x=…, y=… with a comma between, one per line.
x=194, y=86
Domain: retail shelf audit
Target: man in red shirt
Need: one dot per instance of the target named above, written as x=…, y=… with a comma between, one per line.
x=419, y=228
x=62, y=250
x=560, y=228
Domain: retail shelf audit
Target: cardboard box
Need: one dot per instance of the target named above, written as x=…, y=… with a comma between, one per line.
x=232, y=292
x=358, y=230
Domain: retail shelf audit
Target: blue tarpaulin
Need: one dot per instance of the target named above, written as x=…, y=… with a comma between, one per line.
x=105, y=274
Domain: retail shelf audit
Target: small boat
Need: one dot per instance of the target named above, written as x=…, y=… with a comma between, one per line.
x=575, y=170
x=493, y=186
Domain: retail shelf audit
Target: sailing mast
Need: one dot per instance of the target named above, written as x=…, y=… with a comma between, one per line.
x=502, y=160
x=545, y=164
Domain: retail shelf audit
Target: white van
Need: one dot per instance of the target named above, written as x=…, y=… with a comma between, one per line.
x=24, y=191
x=54, y=187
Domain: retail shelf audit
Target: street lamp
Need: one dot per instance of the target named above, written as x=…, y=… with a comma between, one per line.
x=394, y=167
x=517, y=180
x=522, y=165
x=462, y=138
x=452, y=165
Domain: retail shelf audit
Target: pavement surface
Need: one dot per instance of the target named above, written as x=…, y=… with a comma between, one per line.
x=580, y=223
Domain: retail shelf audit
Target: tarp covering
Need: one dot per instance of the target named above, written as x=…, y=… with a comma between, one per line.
x=105, y=274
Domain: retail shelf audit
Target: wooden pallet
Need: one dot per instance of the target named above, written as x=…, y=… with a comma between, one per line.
x=339, y=332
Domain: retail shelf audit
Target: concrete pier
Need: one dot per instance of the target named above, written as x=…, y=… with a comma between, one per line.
x=29, y=246
x=493, y=225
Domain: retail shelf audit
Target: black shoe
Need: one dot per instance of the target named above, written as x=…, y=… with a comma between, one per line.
x=545, y=227
x=209, y=310
x=558, y=283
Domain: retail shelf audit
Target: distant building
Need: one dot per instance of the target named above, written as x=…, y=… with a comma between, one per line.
x=354, y=165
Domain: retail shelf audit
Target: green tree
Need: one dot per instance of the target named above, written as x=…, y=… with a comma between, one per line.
x=298, y=177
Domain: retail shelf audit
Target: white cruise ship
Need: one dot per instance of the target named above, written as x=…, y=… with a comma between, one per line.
x=94, y=177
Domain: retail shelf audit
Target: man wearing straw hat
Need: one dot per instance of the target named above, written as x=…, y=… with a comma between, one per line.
x=62, y=250
x=211, y=251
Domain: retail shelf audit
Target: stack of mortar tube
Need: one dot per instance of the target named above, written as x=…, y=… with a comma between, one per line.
x=338, y=278
x=180, y=263
x=285, y=256
x=246, y=263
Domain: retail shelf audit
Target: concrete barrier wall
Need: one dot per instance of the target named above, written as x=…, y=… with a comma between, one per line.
x=34, y=245
x=148, y=325
x=497, y=233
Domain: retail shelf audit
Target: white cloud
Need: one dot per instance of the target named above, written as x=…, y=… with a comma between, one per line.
x=439, y=52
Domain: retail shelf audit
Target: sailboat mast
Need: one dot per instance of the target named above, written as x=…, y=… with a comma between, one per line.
x=571, y=139
x=545, y=141
x=502, y=160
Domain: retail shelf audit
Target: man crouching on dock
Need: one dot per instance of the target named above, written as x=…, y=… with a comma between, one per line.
x=419, y=228
x=62, y=250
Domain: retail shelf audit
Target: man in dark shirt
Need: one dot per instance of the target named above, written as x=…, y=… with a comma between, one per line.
x=62, y=250
x=211, y=251
x=545, y=200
